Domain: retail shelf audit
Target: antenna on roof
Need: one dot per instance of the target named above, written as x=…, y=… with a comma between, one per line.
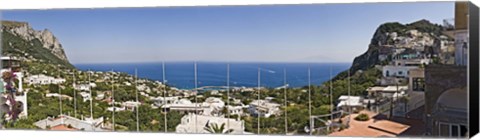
x=136, y=98
x=164, y=96
x=258, y=102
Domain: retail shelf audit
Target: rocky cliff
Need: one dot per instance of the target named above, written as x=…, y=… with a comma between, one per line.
x=390, y=39
x=21, y=40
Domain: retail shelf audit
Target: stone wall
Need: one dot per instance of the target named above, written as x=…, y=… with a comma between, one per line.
x=438, y=79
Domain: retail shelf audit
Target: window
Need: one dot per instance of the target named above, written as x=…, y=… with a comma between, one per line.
x=451, y=130
x=418, y=84
x=387, y=73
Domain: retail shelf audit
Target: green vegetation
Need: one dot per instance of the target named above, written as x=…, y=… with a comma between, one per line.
x=214, y=128
x=16, y=46
x=362, y=117
x=426, y=27
x=12, y=24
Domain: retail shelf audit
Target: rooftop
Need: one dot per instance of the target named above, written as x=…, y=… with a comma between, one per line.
x=350, y=101
x=379, y=126
x=63, y=121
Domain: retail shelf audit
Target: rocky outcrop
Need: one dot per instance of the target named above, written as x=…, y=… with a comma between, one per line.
x=46, y=38
x=393, y=38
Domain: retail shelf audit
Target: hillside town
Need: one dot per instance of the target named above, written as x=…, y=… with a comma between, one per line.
x=420, y=91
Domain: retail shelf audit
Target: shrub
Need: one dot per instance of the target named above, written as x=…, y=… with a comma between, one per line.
x=362, y=117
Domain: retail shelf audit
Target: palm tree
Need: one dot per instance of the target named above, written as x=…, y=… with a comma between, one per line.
x=214, y=128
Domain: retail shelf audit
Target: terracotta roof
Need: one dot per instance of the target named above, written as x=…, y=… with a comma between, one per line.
x=62, y=127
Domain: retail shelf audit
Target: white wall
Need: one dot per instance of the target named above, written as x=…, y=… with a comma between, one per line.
x=399, y=71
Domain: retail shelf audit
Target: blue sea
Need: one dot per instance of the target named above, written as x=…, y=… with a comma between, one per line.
x=181, y=74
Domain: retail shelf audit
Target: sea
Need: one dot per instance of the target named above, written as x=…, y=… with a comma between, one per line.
x=242, y=74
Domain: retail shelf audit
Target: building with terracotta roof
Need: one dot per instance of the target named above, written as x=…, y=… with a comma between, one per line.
x=65, y=122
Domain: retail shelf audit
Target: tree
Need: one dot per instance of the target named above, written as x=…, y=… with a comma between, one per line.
x=213, y=128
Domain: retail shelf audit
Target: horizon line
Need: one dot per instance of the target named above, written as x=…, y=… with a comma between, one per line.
x=208, y=61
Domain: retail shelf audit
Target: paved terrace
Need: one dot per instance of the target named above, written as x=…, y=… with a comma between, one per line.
x=379, y=126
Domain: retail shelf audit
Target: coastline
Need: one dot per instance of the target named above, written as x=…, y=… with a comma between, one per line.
x=243, y=74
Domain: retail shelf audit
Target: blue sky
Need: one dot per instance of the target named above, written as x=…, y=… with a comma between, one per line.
x=267, y=33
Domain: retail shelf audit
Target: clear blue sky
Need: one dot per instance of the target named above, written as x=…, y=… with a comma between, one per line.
x=286, y=33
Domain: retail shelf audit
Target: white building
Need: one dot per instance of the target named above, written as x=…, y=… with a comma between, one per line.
x=387, y=91
x=130, y=105
x=401, y=67
x=235, y=110
x=415, y=93
x=212, y=106
x=117, y=109
x=56, y=95
x=64, y=122
x=100, y=96
x=86, y=96
x=192, y=123
x=355, y=103
x=263, y=108
x=215, y=106
x=43, y=80
x=396, y=71
x=185, y=105
x=142, y=87
x=159, y=101
x=82, y=87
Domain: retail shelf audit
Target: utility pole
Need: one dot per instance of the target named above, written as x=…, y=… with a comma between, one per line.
x=228, y=96
x=164, y=97
x=91, y=98
x=74, y=95
x=60, y=99
x=310, y=103
x=136, y=98
x=331, y=95
x=60, y=103
x=285, y=98
x=196, y=93
x=258, y=103
x=349, y=107
x=113, y=101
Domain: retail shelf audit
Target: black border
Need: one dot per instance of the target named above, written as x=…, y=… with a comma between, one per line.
x=473, y=69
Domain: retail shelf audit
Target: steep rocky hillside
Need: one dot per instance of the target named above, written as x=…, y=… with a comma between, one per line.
x=29, y=45
x=392, y=38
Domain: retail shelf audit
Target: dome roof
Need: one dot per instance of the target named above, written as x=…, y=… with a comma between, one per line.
x=456, y=97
